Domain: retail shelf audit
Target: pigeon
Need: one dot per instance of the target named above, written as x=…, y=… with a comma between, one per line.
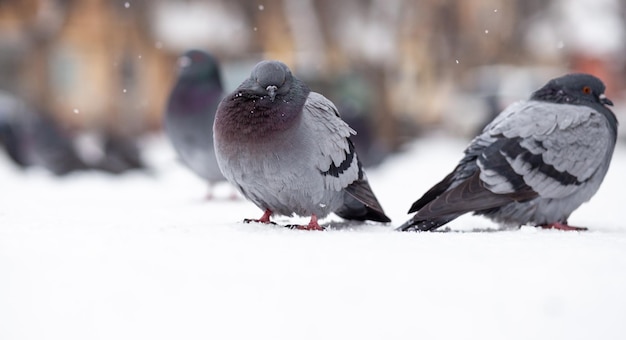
x=286, y=149
x=34, y=138
x=190, y=113
x=535, y=163
x=120, y=153
x=52, y=146
x=10, y=140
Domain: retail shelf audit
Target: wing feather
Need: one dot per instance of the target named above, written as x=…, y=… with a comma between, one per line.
x=336, y=159
x=554, y=148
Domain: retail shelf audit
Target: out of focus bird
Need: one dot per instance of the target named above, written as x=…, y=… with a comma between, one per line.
x=120, y=153
x=190, y=113
x=34, y=138
x=287, y=150
x=535, y=163
x=10, y=140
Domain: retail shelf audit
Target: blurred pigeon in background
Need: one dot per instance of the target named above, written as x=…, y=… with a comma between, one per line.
x=34, y=138
x=119, y=153
x=190, y=113
x=288, y=151
x=536, y=162
x=10, y=140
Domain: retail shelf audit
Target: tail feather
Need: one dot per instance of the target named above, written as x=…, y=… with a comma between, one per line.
x=426, y=224
x=359, y=212
x=360, y=204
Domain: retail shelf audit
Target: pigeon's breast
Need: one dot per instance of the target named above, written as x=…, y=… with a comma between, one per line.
x=276, y=172
x=242, y=118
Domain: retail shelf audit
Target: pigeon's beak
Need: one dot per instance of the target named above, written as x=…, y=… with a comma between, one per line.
x=604, y=100
x=271, y=91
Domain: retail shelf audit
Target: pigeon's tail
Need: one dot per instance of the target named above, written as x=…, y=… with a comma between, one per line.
x=360, y=204
x=356, y=210
x=425, y=224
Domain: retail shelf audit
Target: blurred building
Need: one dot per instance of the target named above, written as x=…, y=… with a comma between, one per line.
x=109, y=64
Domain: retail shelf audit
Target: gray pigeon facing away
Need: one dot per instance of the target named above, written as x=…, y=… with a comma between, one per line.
x=190, y=113
x=535, y=163
x=288, y=151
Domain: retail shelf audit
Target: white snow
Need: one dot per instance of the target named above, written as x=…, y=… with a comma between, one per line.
x=143, y=256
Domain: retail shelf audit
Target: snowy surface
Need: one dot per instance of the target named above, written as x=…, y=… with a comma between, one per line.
x=144, y=256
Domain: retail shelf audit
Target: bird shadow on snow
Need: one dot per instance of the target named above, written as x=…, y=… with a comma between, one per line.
x=332, y=225
x=473, y=230
x=523, y=229
x=348, y=225
x=355, y=225
x=359, y=226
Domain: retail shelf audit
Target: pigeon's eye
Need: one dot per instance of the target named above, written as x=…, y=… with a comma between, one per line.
x=587, y=90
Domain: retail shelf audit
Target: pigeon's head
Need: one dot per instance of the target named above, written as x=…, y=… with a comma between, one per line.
x=578, y=89
x=271, y=78
x=196, y=64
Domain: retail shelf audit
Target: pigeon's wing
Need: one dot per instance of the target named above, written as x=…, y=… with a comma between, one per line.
x=336, y=159
x=555, y=148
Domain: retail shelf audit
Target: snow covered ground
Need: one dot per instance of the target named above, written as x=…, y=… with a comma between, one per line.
x=143, y=256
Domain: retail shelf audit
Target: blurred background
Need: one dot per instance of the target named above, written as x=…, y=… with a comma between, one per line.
x=397, y=69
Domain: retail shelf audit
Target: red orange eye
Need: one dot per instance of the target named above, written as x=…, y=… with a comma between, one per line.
x=586, y=90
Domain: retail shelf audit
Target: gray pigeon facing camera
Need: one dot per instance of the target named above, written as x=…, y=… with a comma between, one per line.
x=535, y=163
x=288, y=151
x=190, y=113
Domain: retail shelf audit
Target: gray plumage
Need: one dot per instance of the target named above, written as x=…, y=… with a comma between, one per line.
x=34, y=137
x=535, y=163
x=288, y=151
x=120, y=153
x=191, y=110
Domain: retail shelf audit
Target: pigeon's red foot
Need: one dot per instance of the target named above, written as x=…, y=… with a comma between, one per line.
x=562, y=226
x=313, y=225
x=264, y=219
